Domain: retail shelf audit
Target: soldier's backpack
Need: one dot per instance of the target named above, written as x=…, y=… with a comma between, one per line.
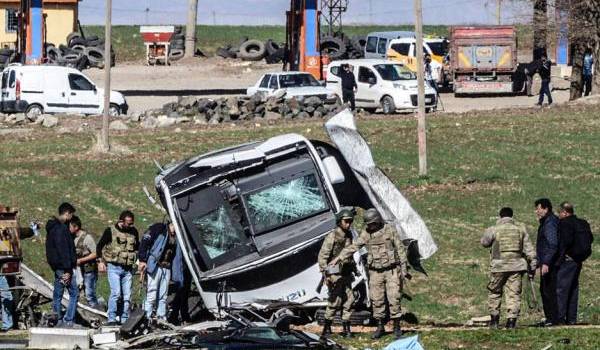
x=582, y=242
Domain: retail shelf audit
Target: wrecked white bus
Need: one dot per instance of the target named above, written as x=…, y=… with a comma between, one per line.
x=252, y=218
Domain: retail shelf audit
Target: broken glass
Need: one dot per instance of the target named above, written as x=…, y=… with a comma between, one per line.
x=220, y=230
x=285, y=202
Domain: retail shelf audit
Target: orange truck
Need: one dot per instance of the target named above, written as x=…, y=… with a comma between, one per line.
x=483, y=59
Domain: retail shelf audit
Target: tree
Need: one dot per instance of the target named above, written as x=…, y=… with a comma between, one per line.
x=584, y=33
x=540, y=28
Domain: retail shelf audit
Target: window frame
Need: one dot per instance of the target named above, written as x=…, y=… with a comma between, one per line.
x=384, y=42
x=265, y=81
x=77, y=88
x=8, y=26
x=371, y=75
x=367, y=47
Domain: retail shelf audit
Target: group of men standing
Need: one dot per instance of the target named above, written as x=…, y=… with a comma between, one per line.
x=563, y=243
x=71, y=251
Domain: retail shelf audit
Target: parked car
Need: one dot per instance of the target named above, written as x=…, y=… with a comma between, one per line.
x=381, y=84
x=403, y=50
x=378, y=42
x=53, y=89
x=295, y=84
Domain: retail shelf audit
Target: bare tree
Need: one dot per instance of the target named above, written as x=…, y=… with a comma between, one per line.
x=540, y=28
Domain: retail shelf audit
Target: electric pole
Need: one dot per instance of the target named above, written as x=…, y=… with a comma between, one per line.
x=190, y=30
x=421, y=126
x=499, y=12
x=104, y=142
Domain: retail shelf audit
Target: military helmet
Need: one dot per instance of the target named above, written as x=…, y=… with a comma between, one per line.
x=372, y=216
x=344, y=214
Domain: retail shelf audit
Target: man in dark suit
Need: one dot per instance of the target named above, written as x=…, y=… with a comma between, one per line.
x=546, y=249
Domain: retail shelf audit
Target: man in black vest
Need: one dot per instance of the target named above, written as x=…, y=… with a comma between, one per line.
x=348, y=85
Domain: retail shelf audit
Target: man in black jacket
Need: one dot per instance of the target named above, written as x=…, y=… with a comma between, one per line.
x=545, y=73
x=348, y=85
x=61, y=256
x=568, y=270
x=546, y=248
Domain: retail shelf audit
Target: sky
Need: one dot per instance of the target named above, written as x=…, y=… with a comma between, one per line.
x=272, y=12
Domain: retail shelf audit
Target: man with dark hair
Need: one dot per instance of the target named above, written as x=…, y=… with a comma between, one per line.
x=61, y=256
x=85, y=248
x=512, y=254
x=117, y=253
x=568, y=268
x=545, y=70
x=546, y=249
x=348, y=85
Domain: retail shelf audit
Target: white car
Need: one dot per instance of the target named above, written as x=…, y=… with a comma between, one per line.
x=381, y=84
x=52, y=89
x=295, y=84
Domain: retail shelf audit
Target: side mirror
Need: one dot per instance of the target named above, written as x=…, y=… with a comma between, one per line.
x=333, y=170
x=372, y=81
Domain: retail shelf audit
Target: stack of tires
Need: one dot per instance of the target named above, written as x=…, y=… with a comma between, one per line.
x=254, y=50
x=343, y=47
x=7, y=56
x=80, y=52
x=177, y=47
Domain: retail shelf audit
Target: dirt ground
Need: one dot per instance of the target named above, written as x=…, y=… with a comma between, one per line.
x=147, y=87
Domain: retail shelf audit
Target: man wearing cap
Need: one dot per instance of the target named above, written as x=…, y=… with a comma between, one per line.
x=338, y=277
x=386, y=261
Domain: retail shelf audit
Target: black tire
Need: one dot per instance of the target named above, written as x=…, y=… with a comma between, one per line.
x=333, y=47
x=53, y=54
x=272, y=47
x=94, y=55
x=78, y=48
x=72, y=36
x=6, y=52
x=95, y=43
x=223, y=52
x=252, y=50
x=72, y=58
x=77, y=41
x=34, y=109
x=175, y=55
x=83, y=63
x=359, y=42
x=92, y=38
x=357, y=318
x=387, y=105
x=178, y=42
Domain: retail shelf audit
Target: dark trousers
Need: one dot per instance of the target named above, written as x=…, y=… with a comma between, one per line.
x=529, y=85
x=587, y=84
x=348, y=96
x=548, y=292
x=545, y=90
x=567, y=291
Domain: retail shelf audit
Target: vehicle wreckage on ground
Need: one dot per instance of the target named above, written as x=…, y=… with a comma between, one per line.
x=251, y=218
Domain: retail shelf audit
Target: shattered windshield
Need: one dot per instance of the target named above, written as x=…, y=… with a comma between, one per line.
x=219, y=230
x=285, y=202
x=394, y=72
x=297, y=80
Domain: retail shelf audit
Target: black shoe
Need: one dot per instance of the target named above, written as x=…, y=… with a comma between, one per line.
x=397, y=329
x=326, y=329
x=511, y=323
x=380, y=331
x=346, y=332
x=495, y=322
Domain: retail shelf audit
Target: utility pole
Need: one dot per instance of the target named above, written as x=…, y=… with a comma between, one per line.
x=499, y=12
x=421, y=126
x=104, y=142
x=190, y=30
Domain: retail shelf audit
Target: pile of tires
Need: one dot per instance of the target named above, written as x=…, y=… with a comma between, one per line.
x=177, y=44
x=254, y=50
x=7, y=56
x=80, y=52
x=343, y=47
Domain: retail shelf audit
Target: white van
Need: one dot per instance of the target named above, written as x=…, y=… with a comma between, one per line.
x=52, y=89
x=378, y=42
x=381, y=84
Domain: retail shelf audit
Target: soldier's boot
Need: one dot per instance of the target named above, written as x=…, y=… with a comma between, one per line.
x=380, y=331
x=326, y=329
x=397, y=329
x=511, y=323
x=346, y=332
x=495, y=322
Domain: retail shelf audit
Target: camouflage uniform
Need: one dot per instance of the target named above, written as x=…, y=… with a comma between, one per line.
x=386, y=260
x=511, y=252
x=339, y=285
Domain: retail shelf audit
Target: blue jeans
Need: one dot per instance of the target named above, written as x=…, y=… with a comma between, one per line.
x=158, y=288
x=7, y=304
x=545, y=90
x=89, y=282
x=119, y=279
x=59, y=289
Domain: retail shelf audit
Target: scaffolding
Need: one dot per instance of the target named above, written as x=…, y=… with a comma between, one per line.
x=331, y=13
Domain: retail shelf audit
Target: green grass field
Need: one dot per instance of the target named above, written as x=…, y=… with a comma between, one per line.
x=129, y=46
x=479, y=162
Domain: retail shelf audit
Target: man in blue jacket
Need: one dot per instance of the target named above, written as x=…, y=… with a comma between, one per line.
x=588, y=69
x=546, y=249
x=61, y=256
x=161, y=259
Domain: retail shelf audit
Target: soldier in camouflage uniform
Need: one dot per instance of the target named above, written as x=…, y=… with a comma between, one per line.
x=386, y=261
x=338, y=278
x=511, y=255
